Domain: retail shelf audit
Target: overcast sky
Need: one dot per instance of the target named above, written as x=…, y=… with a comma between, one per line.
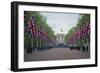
x=61, y=21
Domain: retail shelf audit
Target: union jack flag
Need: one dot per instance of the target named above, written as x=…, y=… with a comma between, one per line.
x=32, y=27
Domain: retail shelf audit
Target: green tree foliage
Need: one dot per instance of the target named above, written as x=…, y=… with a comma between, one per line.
x=27, y=40
x=83, y=20
x=41, y=23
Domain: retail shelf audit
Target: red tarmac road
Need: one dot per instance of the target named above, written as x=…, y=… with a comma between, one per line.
x=56, y=54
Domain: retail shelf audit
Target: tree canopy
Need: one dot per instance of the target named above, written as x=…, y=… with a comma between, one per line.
x=83, y=20
x=40, y=22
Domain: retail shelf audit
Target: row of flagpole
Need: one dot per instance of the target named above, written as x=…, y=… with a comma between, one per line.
x=39, y=37
x=81, y=34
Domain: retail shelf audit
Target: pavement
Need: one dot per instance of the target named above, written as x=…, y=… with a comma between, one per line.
x=56, y=54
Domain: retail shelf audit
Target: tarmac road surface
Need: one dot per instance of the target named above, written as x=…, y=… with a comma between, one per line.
x=56, y=54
